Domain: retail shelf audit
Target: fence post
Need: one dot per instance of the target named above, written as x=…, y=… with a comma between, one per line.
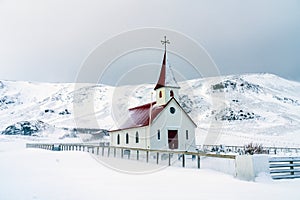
x=183, y=160
x=115, y=152
x=122, y=153
x=292, y=168
x=103, y=151
x=147, y=156
x=137, y=154
x=169, y=159
x=108, y=151
x=198, y=161
x=157, y=157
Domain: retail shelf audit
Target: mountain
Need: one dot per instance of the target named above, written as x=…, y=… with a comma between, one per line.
x=231, y=110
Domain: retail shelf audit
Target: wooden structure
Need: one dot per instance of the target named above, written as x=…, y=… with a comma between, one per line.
x=284, y=167
x=131, y=153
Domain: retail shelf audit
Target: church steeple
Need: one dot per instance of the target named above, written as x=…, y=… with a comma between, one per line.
x=166, y=86
x=162, y=77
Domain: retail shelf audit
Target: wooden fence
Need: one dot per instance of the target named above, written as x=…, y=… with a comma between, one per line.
x=241, y=149
x=284, y=167
x=280, y=167
x=104, y=149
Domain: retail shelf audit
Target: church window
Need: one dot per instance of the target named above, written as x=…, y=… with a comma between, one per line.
x=158, y=134
x=118, y=139
x=137, y=137
x=171, y=93
x=187, y=134
x=127, y=138
x=172, y=110
x=160, y=94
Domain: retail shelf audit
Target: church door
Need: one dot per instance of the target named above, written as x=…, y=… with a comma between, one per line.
x=173, y=139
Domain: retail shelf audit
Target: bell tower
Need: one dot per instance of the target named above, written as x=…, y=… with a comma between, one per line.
x=166, y=87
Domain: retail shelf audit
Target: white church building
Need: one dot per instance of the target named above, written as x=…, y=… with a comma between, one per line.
x=162, y=124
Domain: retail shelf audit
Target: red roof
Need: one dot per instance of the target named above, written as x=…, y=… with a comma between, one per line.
x=140, y=116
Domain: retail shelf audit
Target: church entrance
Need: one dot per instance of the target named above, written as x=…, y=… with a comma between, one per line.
x=173, y=139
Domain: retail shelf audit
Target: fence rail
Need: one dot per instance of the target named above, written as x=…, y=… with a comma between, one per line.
x=242, y=149
x=284, y=167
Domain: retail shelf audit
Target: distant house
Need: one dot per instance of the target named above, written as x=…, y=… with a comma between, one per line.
x=162, y=124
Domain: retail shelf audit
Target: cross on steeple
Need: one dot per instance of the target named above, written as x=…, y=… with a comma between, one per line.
x=165, y=42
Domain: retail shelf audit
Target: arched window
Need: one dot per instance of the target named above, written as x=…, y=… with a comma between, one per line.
x=127, y=138
x=171, y=93
x=160, y=94
x=137, y=137
x=118, y=139
x=158, y=134
x=187, y=134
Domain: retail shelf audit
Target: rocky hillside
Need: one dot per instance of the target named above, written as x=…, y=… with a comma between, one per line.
x=235, y=110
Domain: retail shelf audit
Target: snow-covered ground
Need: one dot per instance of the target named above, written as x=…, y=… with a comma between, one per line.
x=27, y=174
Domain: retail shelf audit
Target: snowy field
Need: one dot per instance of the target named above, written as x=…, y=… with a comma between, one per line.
x=40, y=174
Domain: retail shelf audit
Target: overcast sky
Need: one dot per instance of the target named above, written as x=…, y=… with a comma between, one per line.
x=48, y=40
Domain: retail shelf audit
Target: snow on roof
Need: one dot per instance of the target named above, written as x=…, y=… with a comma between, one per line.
x=140, y=116
x=166, y=77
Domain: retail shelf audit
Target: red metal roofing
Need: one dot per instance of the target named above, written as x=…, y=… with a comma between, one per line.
x=140, y=116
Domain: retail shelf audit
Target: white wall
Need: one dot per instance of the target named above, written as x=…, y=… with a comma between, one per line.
x=224, y=165
x=248, y=167
x=165, y=95
x=132, y=133
x=178, y=121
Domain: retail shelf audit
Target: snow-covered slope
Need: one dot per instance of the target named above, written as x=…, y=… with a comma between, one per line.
x=232, y=110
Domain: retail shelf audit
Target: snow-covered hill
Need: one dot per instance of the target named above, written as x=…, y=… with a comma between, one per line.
x=232, y=110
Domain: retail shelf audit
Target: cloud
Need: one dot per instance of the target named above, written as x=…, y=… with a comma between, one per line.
x=48, y=40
